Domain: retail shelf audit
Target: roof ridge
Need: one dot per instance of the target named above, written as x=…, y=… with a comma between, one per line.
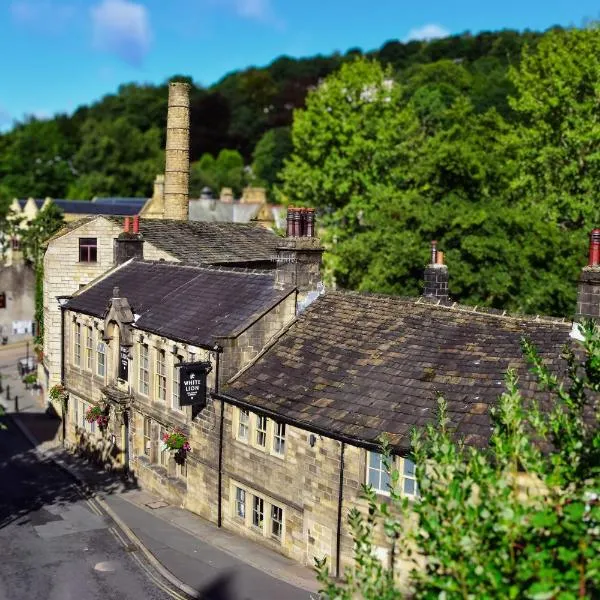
x=206, y=267
x=456, y=306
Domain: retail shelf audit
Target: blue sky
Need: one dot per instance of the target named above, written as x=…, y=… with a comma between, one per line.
x=59, y=54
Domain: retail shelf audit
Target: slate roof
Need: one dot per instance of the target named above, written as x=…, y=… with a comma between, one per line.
x=356, y=365
x=211, y=243
x=124, y=207
x=191, y=304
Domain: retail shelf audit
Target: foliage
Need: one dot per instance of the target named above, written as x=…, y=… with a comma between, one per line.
x=97, y=414
x=176, y=440
x=506, y=521
x=45, y=224
x=269, y=155
x=58, y=392
x=30, y=378
x=227, y=170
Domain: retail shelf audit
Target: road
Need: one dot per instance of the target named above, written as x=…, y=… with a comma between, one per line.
x=55, y=543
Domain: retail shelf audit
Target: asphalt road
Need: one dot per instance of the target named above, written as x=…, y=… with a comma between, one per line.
x=57, y=545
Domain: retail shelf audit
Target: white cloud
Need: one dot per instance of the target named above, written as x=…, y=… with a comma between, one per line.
x=5, y=117
x=427, y=32
x=253, y=10
x=122, y=27
x=45, y=15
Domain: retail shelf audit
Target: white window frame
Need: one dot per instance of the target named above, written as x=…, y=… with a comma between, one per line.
x=89, y=348
x=243, y=425
x=77, y=344
x=405, y=463
x=144, y=370
x=147, y=436
x=160, y=375
x=175, y=387
x=279, y=431
x=261, y=431
x=378, y=471
x=273, y=521
x=258, y=508
x=101, y=364
x=239, y=502
x=162, y=456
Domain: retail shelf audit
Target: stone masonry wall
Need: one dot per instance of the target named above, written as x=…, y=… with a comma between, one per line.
x=64, y=275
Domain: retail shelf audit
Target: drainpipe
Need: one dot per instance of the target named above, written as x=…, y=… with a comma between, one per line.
x=62, y=301
x=339, y=515
x=218, y=350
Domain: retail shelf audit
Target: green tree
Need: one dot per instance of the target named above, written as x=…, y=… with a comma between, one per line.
x=269, y=155
x=506, y=521
x=227, y=170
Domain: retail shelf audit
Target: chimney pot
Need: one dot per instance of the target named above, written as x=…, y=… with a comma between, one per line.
x=310, y=222
x=439, y=259
x=136, y=224
x=289, y=232
x=594, y=255
x=296, y=224
x=126, y=225
x=433, y=260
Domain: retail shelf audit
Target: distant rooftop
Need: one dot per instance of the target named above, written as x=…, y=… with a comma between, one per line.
x=124, y=207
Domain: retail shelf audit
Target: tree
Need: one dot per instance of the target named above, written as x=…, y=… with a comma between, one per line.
x=269, y=155
x=227, y=170
x=518, y=519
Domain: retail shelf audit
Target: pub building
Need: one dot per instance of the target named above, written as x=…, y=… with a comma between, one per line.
x=282, y=391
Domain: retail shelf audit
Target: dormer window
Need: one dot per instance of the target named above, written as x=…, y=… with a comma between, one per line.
x=88, y=249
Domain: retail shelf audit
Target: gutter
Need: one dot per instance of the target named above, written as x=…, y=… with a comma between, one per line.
x=340, y=437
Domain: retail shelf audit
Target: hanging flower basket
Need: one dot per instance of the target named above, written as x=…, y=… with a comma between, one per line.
x=97, y=414
x=58, y=392
x=178, y=444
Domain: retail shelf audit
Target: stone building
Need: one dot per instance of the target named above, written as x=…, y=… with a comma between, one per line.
x=17, y=300
x=83, y=251
x=295, y=404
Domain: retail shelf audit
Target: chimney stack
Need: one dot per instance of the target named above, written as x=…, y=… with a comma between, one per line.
x=129, y=244
x=436, y=275
x=588, y=291
x=299, y=256
x=177, y=154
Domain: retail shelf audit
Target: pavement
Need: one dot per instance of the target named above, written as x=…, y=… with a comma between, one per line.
x=194, y=555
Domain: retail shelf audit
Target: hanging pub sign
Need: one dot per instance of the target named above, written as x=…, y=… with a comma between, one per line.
x=124, y=363
x=192, y=383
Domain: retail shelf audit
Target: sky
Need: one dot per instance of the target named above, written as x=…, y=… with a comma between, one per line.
x=59, y=54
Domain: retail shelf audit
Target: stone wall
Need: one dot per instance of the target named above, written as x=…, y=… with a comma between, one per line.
x=65, y=275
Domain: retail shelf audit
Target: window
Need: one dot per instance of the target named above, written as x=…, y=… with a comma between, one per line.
x=377, y=474
x=175, y=394
x=75, y=416
x=163, y=453
x=243, y=424
x=161, y=375
x=88, y=249
x=77, y=344
x=240, y=503
x=89, y=348
x=2, y=300
x=181, y=469
x=101, y=358
x=144, y=379
x=147, y=436
x=408, y=476
x=279, y=438
x=276, y=521
x=261, y=430
x=258, y=512
x=82, y=413
x=15, y=243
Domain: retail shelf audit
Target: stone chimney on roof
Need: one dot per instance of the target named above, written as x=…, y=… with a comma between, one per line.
x=177, y=154
x=130, y=243
x=436, y=275
x=299, y=257
x=588, y=291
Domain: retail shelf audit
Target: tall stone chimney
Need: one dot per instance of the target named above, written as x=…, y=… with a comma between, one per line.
x=436, y=275
x=299, y=257
x=177, y=155
x=588, y=291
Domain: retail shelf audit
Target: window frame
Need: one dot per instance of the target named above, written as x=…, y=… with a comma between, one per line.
x=102, y=362
x=160, y=375
x=147, y=437
x=88, y=247
x=243, y=422
x=261, y=512
x=279, y=522
x=162, y=457
x=403, y=461
x=261, y=431
x=89, y=348
x=378, y=469
x=144, y=370
x=77, y=344
x=175, y=385
x=279, y=435
x=239, y=501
